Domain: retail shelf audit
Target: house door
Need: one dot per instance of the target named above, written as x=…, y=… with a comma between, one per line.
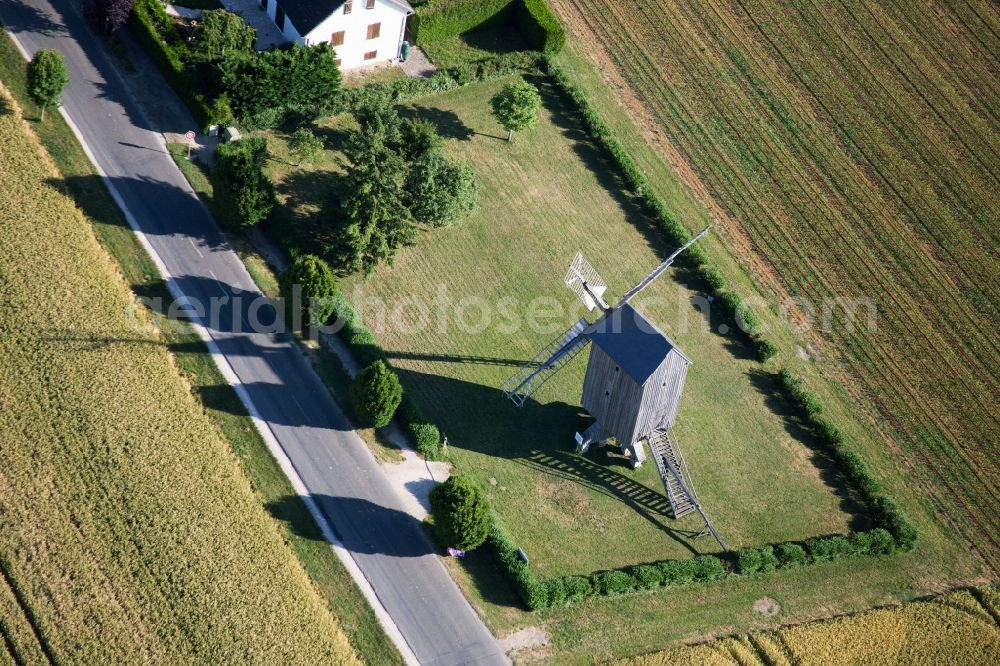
x=279, y=17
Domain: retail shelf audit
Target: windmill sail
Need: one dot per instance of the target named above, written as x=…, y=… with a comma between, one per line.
x=584, y=280
x=546, y=363
x=658, y=271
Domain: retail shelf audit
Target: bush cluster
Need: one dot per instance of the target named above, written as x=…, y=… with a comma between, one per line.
x=884, y=511
x=440, y=19
x=157, y=33
x=730, y=303
x=756, y=560
x=425, y=436
x=244, y=195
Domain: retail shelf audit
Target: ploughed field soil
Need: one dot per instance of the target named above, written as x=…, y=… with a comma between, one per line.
x=854, y=149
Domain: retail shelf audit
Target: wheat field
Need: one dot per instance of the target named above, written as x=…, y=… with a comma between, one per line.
x=128, y=533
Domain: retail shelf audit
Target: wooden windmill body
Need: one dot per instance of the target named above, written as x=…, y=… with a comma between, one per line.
x=633, y=384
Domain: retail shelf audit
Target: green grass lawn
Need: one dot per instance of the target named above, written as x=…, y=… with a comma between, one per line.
x=543, y=197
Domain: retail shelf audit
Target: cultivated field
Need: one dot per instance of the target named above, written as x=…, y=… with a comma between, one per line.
x=128, y=532
x=851, y=150
x=957, y=628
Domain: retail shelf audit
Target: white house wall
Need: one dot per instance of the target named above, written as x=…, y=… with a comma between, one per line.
x=355, y=27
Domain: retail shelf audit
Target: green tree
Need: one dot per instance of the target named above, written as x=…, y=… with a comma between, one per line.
x=419, y=138
x=375, y=394
x=461, y=513
x=305, y=78
x=47, y=78
x=317, y=289
x=368, y=205
x=219, y=33
x=438, y=191
x=243, y=194
x=516, y=107
x=305, y=144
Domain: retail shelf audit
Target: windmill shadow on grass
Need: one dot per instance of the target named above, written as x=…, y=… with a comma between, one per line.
x=830, y=473
x=530, y=436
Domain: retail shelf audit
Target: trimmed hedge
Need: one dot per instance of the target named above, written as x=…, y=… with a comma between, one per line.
x=349, y=99
x=159, y=36
x=884, y=511
x=729, y=303
x=440, y=19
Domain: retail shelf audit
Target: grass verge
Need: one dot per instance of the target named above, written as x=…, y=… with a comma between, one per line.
x=328, y=574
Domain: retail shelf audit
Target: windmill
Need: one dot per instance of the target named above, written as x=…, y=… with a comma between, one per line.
x=634, y=380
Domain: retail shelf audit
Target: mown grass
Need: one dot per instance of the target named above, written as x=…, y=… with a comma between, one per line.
x=955, y=628
x=542, y=198
x=852, y=150
x=80, y=180
x=129, y=530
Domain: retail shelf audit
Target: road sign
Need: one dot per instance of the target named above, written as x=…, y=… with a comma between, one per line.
x=190, y=135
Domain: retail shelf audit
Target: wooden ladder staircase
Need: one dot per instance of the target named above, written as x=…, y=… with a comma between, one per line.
x=676, y=481
x=668, y=463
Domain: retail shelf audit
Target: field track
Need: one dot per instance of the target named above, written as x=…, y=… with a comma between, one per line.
x=857, y=144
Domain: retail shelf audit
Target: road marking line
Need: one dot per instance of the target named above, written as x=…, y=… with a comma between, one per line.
x=388, y=625
x=190, y=240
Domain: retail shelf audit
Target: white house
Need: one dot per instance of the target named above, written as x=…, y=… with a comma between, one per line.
x=362, y=32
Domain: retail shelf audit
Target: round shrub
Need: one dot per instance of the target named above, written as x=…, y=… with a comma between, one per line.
x=881, y=542
x=825, y=549
x=714, y=279
x=461, y=513
x=375, y=394
x=677, y=572
x=577, y=587
x=612, y=582
x=708, y=567
x=790, y=555
x=648, y=576
x=317, y=287
x=556, y=591
x=427, y=438
x=765, y=349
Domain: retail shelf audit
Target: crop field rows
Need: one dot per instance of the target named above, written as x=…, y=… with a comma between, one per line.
x=127, y=529
x=958, y=628
x=862, y=163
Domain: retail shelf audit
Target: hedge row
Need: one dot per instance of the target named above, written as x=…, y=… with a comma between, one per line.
x=444, y=79
x=883, y=509
x=153, y=28
x=425, y=435
x=440, y=19
x=538, y=594
x=632, y=175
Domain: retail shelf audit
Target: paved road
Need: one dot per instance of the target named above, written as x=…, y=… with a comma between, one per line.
x=335, y=466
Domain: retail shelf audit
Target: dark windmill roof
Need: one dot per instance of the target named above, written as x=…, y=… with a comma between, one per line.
x=305, y=15
x=633, y=342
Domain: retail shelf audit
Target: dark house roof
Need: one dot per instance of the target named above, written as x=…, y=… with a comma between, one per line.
x=305, y=15
x=633, y=342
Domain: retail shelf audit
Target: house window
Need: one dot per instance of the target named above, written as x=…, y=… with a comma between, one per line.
x=374, y=30
x=337, y=38
x=369, y=4
x=337, y=62
x=371, y=55
x=279, y=17
x=348, y=6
